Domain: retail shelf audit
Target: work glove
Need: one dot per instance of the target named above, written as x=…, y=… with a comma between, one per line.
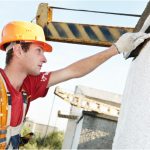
x=129, y=41
x=146, y=29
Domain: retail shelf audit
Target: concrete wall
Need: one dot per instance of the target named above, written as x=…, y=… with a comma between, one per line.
x=97, y=132
x=133, y=129
x=100, y=131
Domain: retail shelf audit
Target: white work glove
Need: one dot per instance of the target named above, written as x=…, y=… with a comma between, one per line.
x=129, y=41
x=145, y=26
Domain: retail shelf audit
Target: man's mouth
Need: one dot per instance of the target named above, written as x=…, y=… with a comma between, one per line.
x=40, y=66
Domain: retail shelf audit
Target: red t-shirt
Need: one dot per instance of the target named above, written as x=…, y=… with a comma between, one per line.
x=35, y=86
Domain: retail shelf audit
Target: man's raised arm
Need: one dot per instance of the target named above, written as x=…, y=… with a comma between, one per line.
x=126, y=43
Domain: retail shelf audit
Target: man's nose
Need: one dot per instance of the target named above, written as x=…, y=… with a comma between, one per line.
x=44, y=59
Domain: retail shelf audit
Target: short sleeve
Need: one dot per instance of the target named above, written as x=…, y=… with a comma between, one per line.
x=36, y=86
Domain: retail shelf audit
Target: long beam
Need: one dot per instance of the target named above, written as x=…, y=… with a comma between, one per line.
x=77, y=33
x=83, y=34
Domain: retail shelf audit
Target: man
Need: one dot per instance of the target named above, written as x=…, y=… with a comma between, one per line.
x=25, y=44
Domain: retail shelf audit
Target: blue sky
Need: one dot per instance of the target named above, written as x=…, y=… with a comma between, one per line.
x=110, y=76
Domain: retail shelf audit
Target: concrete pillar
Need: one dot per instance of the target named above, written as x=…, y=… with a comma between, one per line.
x=71, y=128
x=70, y=133
x=133, y=129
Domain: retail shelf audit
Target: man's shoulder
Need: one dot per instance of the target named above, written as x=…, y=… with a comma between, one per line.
x=42, y=76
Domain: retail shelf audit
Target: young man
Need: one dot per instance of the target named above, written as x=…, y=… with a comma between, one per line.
x=25, y=45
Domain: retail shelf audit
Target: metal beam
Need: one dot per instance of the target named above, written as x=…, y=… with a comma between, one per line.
x=77, y=33
x=83, y=34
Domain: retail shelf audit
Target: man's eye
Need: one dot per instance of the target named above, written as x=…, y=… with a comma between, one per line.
x=39, y=50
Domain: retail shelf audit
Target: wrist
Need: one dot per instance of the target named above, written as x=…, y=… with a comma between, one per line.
x=115, y=49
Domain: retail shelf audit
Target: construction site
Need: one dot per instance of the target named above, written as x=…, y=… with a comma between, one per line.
x=88, y=114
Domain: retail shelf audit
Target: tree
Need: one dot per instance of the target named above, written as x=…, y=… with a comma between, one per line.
x=52, y=141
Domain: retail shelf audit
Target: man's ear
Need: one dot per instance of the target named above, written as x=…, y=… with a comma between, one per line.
x=17, y=50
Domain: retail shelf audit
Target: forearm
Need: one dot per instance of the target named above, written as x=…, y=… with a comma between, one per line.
x=85, y=66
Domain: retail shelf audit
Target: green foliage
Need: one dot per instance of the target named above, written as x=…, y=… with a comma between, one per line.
x=25, y=131
x=51, y=141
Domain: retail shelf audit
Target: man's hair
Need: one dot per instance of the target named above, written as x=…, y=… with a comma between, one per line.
x=9, y=55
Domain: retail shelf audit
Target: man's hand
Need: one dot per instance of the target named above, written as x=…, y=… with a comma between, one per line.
x=129, y=41
x=145, y=28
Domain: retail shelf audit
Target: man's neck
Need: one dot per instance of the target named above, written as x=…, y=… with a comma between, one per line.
x=15, y=76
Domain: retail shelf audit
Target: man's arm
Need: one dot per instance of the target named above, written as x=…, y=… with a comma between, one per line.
x=81, y=67
x=126, y=43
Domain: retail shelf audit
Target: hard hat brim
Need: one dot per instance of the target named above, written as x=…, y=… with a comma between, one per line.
x=45, y=46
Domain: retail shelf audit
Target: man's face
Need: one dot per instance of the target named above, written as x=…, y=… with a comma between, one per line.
x=33, y=59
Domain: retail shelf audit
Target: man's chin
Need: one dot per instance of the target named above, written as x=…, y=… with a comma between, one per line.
x=35, y=73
